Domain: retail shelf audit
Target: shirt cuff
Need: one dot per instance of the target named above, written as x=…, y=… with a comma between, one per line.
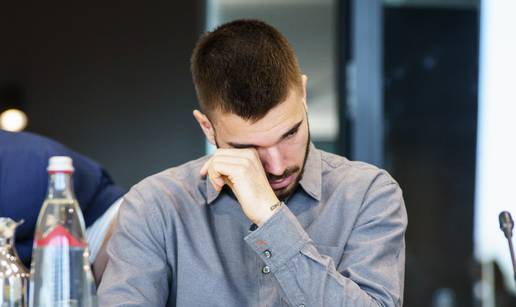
x=279, y=239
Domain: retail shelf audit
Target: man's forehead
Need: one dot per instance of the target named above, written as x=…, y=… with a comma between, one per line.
x=232, y=128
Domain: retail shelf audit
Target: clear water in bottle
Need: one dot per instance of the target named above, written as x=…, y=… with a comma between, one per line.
x=60, y=270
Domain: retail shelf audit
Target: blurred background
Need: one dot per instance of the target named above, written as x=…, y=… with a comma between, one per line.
x=422, y=88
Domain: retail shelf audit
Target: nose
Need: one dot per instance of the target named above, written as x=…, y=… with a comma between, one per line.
x=272, y=161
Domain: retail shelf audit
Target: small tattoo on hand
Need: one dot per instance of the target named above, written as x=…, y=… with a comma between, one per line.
x=276, y=205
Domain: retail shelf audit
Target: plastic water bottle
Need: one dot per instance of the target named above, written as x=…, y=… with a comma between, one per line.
x=60, y=272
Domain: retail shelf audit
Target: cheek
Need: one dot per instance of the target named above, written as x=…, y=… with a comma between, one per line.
x=294, y=149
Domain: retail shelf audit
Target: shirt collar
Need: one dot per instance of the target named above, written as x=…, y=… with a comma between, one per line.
x=312, y=175
x=311, y=181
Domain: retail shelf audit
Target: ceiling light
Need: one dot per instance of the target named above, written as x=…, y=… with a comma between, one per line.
x=13, y=120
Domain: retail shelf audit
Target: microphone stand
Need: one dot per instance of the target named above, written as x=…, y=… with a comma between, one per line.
x=511, y=248
x=506, y=225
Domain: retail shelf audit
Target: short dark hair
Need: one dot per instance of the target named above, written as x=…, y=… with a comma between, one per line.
x=245, y=67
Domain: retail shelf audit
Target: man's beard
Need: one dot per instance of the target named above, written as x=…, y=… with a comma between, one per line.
x=287, y=191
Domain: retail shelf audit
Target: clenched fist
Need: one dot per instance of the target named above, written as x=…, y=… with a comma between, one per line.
x=243, y=172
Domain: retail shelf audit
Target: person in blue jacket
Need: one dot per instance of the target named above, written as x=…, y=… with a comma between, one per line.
x=24, y=182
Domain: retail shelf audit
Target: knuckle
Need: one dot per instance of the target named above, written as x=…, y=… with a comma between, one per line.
x=252, y=154
x=247, y=162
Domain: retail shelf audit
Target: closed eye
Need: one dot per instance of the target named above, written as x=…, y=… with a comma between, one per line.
x=292, y=131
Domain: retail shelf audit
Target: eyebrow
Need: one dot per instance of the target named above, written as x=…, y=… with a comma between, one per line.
x=283, y=136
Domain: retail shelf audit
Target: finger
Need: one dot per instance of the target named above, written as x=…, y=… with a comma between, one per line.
x=249, y=153
x=216, y=179
x=204, y=168
x=246, y=160
x=217, y=183
x=224, y=169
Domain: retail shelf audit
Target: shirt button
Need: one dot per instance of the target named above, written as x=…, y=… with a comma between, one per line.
x=267, y=253
x=266, y=269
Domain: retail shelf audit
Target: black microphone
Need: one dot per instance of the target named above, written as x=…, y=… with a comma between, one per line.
x=506, y=225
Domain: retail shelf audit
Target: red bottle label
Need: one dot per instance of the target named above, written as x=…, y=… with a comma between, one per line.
x=59, y=236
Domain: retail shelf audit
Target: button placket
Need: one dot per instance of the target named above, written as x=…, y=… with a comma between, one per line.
x=267, y=253
x=266, y=269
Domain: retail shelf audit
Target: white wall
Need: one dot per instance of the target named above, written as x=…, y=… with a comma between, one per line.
x=496, y=149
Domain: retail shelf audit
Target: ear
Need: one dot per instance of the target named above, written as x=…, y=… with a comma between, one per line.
x=205, y=125
x=304, y=79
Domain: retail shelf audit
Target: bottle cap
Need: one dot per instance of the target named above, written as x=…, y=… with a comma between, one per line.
x=60, y=164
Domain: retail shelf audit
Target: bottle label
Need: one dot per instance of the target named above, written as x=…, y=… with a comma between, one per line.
x=59, y=236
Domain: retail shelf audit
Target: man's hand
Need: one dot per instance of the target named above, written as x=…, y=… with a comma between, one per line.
x=242, y=170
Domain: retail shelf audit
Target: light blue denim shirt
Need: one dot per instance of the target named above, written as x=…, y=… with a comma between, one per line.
x=339, y=241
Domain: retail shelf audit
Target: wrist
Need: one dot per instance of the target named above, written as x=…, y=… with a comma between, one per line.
x=269, y=211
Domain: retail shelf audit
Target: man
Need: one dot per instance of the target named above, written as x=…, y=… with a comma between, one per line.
x=24, y=184
x=268, y=219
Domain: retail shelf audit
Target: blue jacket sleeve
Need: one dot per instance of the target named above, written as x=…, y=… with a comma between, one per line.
x=24, y=179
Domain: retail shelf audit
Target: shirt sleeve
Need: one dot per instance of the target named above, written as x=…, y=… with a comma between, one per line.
x=371, y=271
x=96, y=233
x=137, y=273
